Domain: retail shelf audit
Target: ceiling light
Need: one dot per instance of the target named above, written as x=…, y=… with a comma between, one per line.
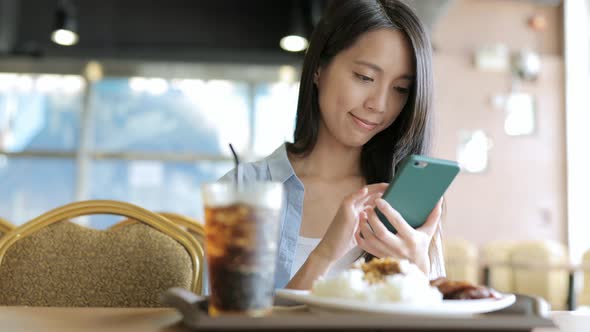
x=294, y=40
x=66, y=27
x=293, y=43
x=64, y=37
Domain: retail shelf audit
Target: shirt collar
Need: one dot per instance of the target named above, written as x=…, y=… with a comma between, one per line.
x=279, y=165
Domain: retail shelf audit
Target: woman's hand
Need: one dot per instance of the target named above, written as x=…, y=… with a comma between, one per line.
x=409, y=243
x=339, y=238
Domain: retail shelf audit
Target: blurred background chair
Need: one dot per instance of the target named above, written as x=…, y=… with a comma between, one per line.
x=496, y=258
x=461, y=260
x=5, y=227
x=539, y=268
x=584, y=298
x=51, y=261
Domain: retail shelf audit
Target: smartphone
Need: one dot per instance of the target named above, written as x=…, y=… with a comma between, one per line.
x=417, y=186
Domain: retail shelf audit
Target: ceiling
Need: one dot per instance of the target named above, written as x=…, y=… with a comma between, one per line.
x=237, y=31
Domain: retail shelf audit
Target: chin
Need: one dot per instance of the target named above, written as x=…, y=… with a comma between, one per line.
x=356, y=142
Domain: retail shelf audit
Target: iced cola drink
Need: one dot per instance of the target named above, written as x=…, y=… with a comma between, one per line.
x=241, y=227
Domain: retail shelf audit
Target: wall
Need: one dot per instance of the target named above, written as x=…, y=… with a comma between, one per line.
x=522, y=194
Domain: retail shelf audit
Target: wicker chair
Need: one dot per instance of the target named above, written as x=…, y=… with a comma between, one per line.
x=51, y=261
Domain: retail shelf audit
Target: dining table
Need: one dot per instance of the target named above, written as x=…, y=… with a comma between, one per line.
x=298, y=318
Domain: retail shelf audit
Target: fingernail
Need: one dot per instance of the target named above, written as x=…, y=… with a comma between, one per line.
x=380, y=202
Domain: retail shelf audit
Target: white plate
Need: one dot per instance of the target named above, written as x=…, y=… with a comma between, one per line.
x=446, y=308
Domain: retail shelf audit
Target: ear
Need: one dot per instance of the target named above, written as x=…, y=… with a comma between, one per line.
x=316, y=75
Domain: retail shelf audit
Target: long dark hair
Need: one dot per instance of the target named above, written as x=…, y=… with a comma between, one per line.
x=344, y=22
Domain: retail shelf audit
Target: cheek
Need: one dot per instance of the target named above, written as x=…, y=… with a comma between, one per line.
x=339, y=95
x=343, y=101
x=352, y=95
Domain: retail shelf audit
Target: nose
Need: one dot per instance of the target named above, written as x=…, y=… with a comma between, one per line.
x=377, y=100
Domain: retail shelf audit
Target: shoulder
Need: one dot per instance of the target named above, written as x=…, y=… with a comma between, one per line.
x=275, y=167
x=252, y=171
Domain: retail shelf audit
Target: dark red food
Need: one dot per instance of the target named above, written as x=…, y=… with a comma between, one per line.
x=463, y=290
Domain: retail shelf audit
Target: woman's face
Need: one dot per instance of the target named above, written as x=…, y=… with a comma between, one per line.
x=364, y=88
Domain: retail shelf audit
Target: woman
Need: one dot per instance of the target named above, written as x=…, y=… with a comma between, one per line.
x=364, y=104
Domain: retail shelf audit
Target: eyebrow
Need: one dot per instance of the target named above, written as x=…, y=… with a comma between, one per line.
x=379, y=69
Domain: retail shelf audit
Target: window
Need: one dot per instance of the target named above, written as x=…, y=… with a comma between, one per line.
x=152, y=115
x=275, y=108
x=156, y=185
x=145, y=140
x=40, y=112
x=32, y=186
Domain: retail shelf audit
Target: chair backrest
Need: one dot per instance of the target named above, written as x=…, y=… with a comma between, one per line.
x=5, y=227
x=461, y=260
x=496, y=255
x=538, y=269
x=191, y=225
x=584, y=298
x=50, y=261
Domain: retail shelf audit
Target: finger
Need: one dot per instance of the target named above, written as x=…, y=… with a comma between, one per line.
x=366, y=192
x=362, y=216
x=381, y=232
x=351, y=199
x=432, y=221
x=379, y=239
x=361, y=193
x=377, y=187
x=369, y=199
x=397, y=221
x=393, y=244
x=368, y=242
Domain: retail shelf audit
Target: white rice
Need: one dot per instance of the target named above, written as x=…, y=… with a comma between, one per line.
x=410, y=286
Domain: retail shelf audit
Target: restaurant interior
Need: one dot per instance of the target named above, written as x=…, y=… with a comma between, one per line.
x=116, y=112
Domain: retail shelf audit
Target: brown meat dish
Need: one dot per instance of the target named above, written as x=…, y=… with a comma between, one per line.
x=376, y=269
x=463, y=290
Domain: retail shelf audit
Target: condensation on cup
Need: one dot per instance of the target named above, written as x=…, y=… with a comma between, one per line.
x=242, y=229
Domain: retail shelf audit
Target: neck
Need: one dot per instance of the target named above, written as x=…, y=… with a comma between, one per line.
x=329, y=159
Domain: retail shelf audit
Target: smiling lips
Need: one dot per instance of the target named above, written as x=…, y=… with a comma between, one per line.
x=364, y=124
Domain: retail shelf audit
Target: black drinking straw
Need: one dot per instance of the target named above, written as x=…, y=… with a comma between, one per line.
x=238, y=166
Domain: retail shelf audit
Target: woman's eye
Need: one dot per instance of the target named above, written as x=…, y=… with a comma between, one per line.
x=363, y=77
x=402, y=90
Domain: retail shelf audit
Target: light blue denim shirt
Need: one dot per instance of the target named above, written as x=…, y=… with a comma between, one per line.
x=277, y=167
